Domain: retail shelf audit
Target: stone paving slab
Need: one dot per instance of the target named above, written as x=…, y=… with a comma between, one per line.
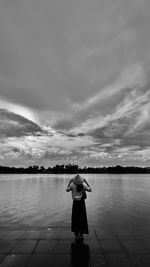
x=24, y=246
x=97, y=260
x=41, y=260
x=56, y=247
x=141, y=233
x=133, y=246
x=34, y=234
x=3, y=233
x=118, y=260
x=65, y=234
x=141, y=236
x=146, y=244
x=15, y=260
x=111, y=246
x=53, y=234
x=6, y=246
x=103, y=234
x=46, y=246
x=2, y=257
x=16, y=234
x=124, y=234
x=140, y=260
x=63, y=260
x=94, y=246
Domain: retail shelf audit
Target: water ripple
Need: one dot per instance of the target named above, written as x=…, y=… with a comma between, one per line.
x=42, y=200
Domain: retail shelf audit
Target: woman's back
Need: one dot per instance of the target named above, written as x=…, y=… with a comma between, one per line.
x=77, y=192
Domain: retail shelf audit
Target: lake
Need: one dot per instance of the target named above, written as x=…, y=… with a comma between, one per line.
x=41, y=200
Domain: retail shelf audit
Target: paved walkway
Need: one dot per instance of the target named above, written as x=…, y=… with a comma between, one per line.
x=56, y=247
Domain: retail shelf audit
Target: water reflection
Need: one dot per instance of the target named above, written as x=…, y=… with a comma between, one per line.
x=80, y=254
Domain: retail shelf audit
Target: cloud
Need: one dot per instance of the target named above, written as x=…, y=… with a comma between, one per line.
x=116, y=136
x=121, y=133
x=39, y=145
x=131, y=113
x=14, y=125
x=74, y=81
x=19, y=110
x=131, y=77
x=102, y=103
x=55, y=56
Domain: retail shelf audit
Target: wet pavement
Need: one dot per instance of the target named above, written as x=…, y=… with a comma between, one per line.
x=56, y=246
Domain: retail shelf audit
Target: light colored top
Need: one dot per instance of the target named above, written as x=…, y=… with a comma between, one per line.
x=75, y=194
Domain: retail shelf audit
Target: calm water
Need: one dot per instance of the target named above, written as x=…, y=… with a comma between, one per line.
x=41, y=200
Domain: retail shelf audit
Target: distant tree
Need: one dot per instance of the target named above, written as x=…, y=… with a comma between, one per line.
x=42, y=169
x=75, y=169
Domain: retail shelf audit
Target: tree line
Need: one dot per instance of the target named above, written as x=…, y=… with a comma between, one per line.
x=73, y=169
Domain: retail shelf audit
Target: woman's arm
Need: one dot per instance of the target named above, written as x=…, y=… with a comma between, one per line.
x=85, y=181
x=88, y=188
x=68, y=189
x=70, y=182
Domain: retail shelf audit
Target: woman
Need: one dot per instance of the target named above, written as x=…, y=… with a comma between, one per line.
x=79, y=223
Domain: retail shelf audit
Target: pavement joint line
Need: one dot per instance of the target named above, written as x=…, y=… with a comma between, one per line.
x=33, y=251
x=140, y=242
x=103, y=253
x=28, y=260
x=134, y=235
x=12, y=246
x=126, y=252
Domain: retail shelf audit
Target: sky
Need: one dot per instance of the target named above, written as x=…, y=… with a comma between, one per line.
x=74, y=82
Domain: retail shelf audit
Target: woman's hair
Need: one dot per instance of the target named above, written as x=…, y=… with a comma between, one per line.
x=79, y=187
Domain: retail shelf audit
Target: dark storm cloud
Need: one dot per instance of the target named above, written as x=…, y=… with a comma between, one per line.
x=75, y=135
x=14, y=125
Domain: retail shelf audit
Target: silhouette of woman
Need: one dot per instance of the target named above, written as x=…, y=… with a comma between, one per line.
x=79, y=225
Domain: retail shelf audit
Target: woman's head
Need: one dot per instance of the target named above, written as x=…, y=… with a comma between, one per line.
x=78, y=180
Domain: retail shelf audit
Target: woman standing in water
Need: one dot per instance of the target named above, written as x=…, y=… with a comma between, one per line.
x=79, y=224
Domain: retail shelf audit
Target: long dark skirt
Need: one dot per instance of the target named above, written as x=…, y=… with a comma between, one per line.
x=79, y=222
